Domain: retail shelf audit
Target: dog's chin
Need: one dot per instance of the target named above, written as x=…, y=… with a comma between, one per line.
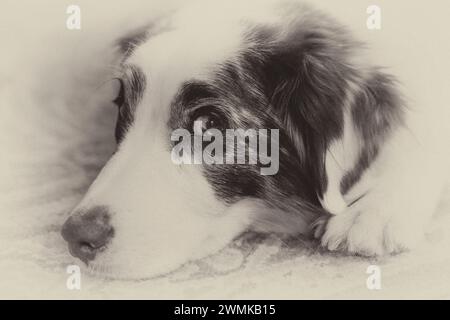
x=106, y=268
x=120, y=272
x=132, y=266
x=138, y=270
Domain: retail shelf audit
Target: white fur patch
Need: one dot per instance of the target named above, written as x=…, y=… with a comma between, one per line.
x=340, y=158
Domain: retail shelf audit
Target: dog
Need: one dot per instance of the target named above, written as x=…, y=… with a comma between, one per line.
x=350, y=173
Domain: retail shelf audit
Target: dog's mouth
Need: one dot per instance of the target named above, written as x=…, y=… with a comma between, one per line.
x=86, y=252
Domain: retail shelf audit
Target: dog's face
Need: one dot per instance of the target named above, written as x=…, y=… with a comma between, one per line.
x=145, y=214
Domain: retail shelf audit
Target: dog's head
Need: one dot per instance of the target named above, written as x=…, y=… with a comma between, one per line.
x=287, y=68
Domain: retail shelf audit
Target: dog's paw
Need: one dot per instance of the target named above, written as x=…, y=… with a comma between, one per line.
x=319, y=226
x=365, y=231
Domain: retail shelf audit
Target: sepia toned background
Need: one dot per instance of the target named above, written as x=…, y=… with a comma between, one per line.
x=56, y=133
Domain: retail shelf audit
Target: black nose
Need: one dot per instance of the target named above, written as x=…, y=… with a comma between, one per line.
x=88, y=233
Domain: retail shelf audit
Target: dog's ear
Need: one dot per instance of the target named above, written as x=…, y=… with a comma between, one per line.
x=311, y=80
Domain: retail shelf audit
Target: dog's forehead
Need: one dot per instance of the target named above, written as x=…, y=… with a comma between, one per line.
x=191, y=50
x=201, y=36
x=180, y=55
x=175, y=57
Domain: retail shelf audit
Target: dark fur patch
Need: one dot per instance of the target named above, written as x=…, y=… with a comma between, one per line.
x=297, y=82
x=133, y=86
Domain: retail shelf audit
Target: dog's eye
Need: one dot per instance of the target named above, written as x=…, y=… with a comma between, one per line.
x=206, y=123
x=120, y=99
x=207, y=120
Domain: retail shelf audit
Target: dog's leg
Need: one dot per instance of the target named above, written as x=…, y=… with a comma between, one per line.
x=397, y=196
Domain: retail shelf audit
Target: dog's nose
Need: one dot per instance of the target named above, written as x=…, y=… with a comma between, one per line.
x=88, y=233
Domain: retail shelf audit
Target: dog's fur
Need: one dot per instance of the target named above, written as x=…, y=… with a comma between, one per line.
x=348, y=166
